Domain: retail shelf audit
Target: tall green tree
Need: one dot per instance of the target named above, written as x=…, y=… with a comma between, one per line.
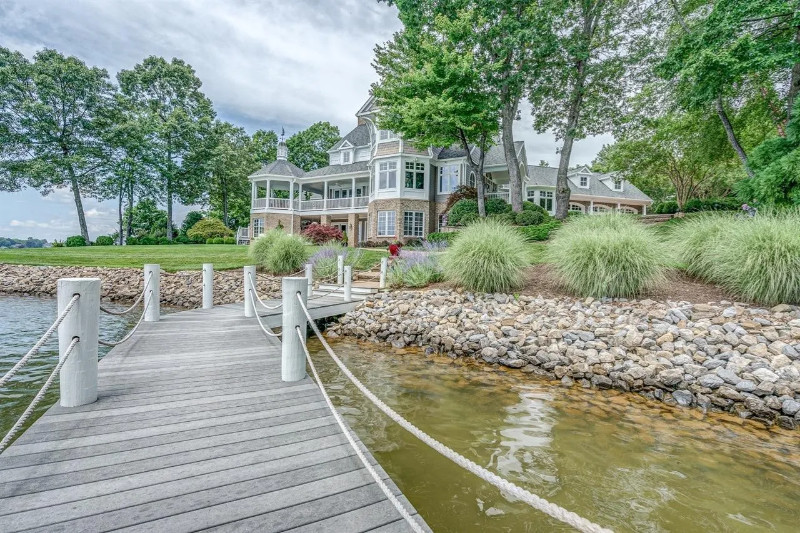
x=232, y=161
x=512, y=38
x=308, y=149
x=433, y=92
x=264, y=146
x=50, y=135
x=148, y=219
x=585, y=83
x=177, y=120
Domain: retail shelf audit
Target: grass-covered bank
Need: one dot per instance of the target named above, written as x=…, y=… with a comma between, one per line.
x=171, y=258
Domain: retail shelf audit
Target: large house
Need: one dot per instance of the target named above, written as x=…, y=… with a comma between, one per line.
x=377, y=187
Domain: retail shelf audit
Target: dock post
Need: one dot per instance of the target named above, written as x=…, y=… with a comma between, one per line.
x=340, y=270
x=152, y=296
x=293, y=359
x=384, y=269
x=208, y=285
x=310, y=277
x=348, y=283
x=79, y=374
x=249, y=273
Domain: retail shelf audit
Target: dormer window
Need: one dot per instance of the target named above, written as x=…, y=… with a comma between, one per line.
x=387, y=135
x=583, y=181
x=346, y=156
x=617, y=185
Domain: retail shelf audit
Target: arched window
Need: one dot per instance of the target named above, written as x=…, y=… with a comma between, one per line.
x=601, y=209
x=576, y=208
x=628, y=210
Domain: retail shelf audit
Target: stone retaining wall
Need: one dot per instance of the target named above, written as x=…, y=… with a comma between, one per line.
x=725, y=356
x=180, y=289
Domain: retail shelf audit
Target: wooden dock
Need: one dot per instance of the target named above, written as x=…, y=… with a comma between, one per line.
x=195, y=430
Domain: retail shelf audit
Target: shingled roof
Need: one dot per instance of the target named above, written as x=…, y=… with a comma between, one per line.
x=546, y=177
x=280, y=167
x=358, y=136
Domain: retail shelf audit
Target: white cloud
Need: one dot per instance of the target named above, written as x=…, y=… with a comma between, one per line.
x=29, y=224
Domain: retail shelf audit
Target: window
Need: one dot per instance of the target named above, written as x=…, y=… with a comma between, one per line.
x=413, y=224
x=346, y=158
x=258, y=227
x=575, y=208
x=471, y=180
x=600, y=209
x=386, y=223
x=386, y=135
x=531, y=194
x=546, y=200
x=415, y=175
x=448, y=179
x=387, y=175
x=584, y=181
x=617, y=185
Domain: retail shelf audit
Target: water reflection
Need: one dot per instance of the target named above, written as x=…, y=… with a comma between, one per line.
x=619, y=460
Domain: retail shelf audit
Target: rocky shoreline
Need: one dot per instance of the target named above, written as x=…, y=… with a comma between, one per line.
x=724, y=356
x=183, y=289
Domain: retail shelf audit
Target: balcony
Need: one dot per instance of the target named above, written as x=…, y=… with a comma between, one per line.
x=503, y=195
x=327, y=204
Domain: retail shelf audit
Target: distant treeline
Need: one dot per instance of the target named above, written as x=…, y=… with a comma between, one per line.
x=30, y=242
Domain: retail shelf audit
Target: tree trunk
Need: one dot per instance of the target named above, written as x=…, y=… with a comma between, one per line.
x=509, y=114
x=120, y=236
x=726, y=123
x=76, y=193
x=225, y=206
x=169, y=209
x=562, y=182
x=129, y=222
x=794, y=81
x=478, y=171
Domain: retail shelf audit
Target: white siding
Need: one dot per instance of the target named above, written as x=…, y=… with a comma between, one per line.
x=334, y=158
x=362, y=154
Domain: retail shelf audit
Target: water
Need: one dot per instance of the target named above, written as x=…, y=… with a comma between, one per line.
x=621, y=461
x=23, y=320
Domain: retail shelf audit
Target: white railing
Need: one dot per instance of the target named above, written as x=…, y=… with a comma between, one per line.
x=361, y=201
x=279, y=203
x=312, y=205
x=259, y=203
x=339, y=203
x=501, y=195
x=318, y=204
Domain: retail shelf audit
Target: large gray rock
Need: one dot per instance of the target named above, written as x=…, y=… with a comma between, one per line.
x=711, y=381
x=790, y=407
x=683, y=397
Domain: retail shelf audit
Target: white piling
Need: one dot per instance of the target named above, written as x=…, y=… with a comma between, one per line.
x=348, y=283
x=249, y=273
x=293, y=359
x=152, y=296
x=78, y=376
x=310, y=277
x=384, y=270
x=208, y=285
x=340, y=270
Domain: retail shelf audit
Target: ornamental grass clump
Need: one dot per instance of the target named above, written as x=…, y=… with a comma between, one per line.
x=325, y=261
x=607, y=256
x=414, y=268
x=758, y=258
x=694, y=239
x=258, y=252
x=287, y=254
x=487, y=256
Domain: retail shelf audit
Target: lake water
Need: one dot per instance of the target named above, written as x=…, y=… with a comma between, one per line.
x=616, y=459
x=23, y=320
x=620, y=461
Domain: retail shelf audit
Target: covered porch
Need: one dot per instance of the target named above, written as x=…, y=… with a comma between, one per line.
x=302, y=195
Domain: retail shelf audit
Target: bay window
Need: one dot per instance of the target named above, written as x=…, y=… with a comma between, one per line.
x=415, y=175
x=387, y=135
x=386, y=223
x=387, y=175
x=546, y=200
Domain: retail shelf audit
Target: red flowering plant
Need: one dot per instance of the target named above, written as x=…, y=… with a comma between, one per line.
x=319, y=234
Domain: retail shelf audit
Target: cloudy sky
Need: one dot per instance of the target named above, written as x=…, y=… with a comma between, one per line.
x=264, y=63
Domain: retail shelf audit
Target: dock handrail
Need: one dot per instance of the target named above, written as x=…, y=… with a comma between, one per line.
x=538, y=503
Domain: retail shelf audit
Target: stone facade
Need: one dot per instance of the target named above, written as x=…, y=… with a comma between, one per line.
x=400, y=206
x=273, y=220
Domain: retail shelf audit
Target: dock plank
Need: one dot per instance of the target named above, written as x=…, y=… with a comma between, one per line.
x=194, y=429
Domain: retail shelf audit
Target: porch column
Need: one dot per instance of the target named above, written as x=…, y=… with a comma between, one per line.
x=619, y=207
x=254, y=189
x=352, y=196
x=299, y=194
x=269, y=191
x=644, y=209
x=291, y=194
x=352, y=229
x=591, y=207
x=325, y=195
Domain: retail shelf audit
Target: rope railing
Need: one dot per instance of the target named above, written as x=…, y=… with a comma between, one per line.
x=265, y=329
x=258, y=299
x=133, y=306
x=43, y=339
x=538, y=503
x=348, y=435
x=131, y=332
x=38, y=398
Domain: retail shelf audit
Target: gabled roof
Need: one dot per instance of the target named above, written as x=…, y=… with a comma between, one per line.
x=332, y=170
x=368, y=108
x=495, y=155
x=281, y=167
x=358, y=136
x=546, y=177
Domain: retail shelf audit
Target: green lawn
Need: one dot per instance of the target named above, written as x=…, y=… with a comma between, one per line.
x=171, y=258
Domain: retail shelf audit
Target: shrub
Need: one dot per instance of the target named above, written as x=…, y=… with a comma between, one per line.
x=147, y=240
x=132, y=241
x=539, y=232
x=286, y=255
x=326, y=263
x=529, y=218
x=163, y=240
x=182, y=239
x=228, y=240
x=414, y=269
x=607, y=255
x=487, y=256
x=58, y=244
x=460, y=209
x=496, y=206
x=259, y=247
x=469, y=218
x=319, y=234
x=666, y=208
x=104, y=240
x=462, y=192
x=506, y=218
x=693, y=241
x=712, y=204
x=530, y=206
x=209, y=228
x=75, y=241
x=447, y=237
